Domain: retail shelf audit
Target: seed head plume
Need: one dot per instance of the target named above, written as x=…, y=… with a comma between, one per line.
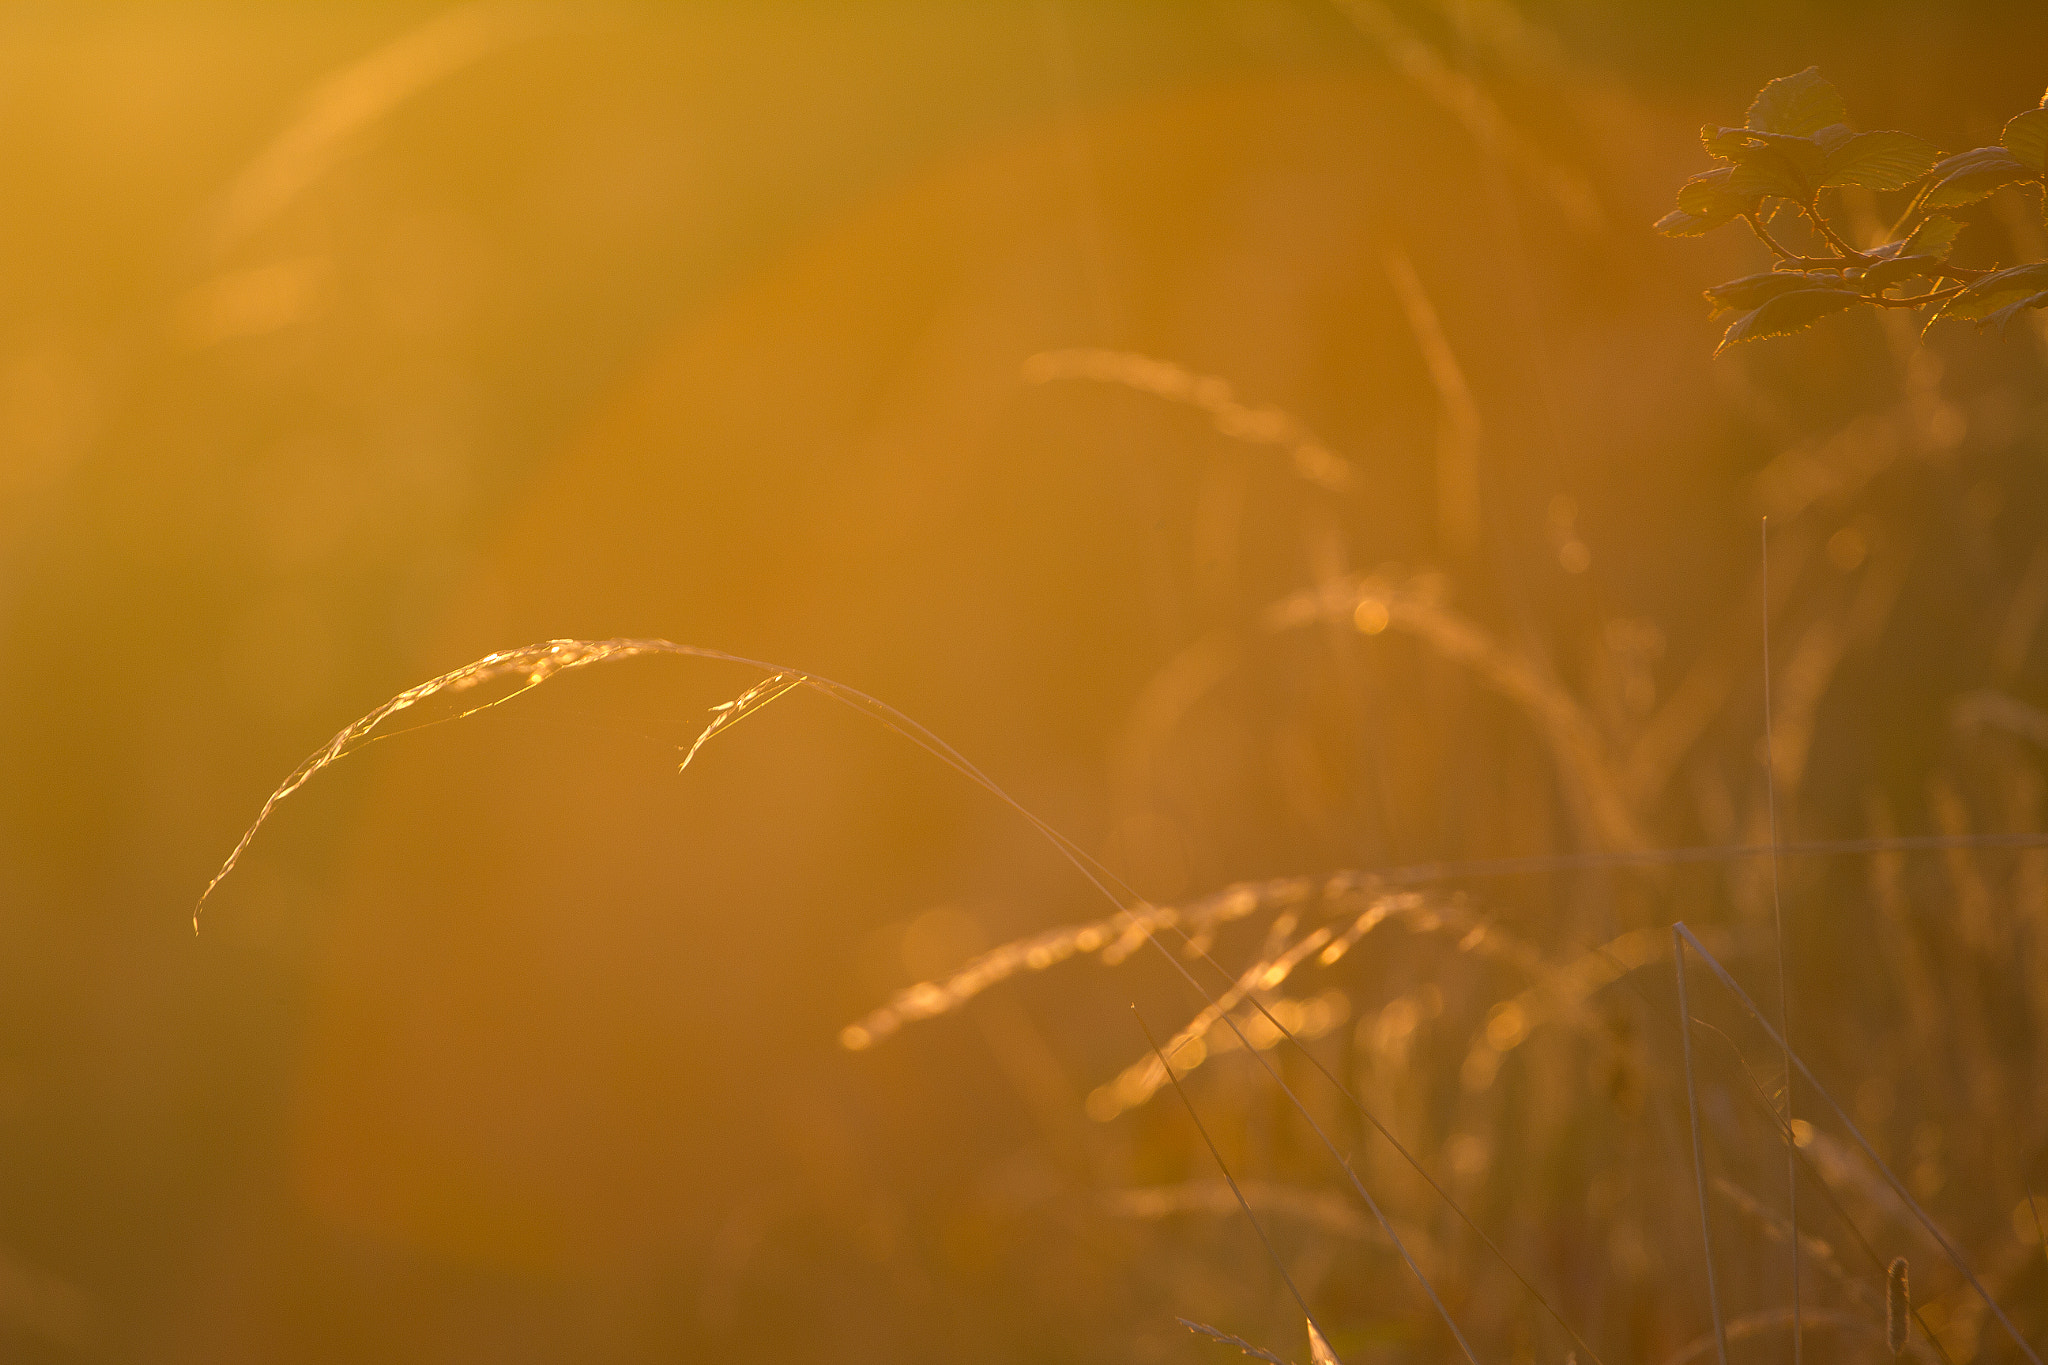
x=530, y=666
x=1262, y=426
x=727, y=714
x=1217, y=1334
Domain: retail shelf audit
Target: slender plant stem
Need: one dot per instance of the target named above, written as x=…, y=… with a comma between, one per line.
x=1386, y=1225
x=579, y=653
x=1416, y=1165
x=1784, y=993
x=1229, y=1179
x=1699, y=1160
x=1770, y=1111
x=1854, y=257
x=1776, y=249
x=1898, y=1187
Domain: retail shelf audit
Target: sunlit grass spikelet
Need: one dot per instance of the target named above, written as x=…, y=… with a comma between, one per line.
x=1375, y=602
x=534, y=664
x=1268, y=426
x=730, y=713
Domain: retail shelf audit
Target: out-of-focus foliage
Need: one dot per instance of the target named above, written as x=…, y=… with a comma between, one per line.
x=1263, y=435
x=1795, y=144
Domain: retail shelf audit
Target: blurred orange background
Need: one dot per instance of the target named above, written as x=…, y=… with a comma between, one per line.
x=340, y=344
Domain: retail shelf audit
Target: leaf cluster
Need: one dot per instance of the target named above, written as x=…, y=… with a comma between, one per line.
x=1794, y=144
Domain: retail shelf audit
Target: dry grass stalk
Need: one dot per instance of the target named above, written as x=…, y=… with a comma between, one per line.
x=1375, y=603
x=1237, y=1193
x=1216, y=1334
x=1887, y=873
x=1674, y=728
x=532, y=665
x=1458, y=426
x=1983, y=929
x=1702, y=695
x=1558, y=993
x=1166, y=700
x=1682, y=936
x=730, y=713
x=1425, y=68
x=1962, y=1325
x=1775, y=1227
x=2022, y=616
x=1188, y=1048
x=1324, y=1210
x=1259, y=1027
x=1817, y=657
x=529, y=667
x=1898, y=1307
x=1264, y=426
x=1117, y=936
x=1758, y=1324
x=342, y=109
x=1778, y=943
x=1976, y=712
x=1114, y=938
x=1831, y=470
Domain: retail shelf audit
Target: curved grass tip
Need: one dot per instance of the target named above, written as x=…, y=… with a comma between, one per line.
x=527, y=668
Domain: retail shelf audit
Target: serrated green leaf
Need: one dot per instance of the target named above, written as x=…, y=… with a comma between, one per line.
x=1705, y=202
x=1707, y=193
x=1894, y=268
x=1997, y=297
x=1934, y=237
x=1968, y=177
x=2004, y=316
x=1879, y=161
x=2026, y=137
x=1833, y=136
x=1753, y=291
x=1994, y=292
x=1729, y=143
x=1801, y=105
x=1783, y=168
x=1724, y=142
x=1679, y=223
x=1786, y=314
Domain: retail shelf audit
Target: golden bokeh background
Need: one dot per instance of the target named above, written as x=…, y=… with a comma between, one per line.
x=343, y=343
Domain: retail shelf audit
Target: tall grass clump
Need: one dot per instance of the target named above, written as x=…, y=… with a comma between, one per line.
x=1532, y=1052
